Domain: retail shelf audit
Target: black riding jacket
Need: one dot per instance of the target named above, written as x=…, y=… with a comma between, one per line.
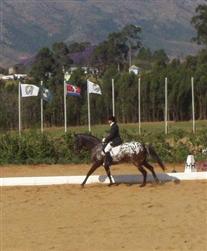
x=114, y=136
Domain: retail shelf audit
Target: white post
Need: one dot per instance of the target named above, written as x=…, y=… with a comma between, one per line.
x=89, y=113
x=193, y=105
x=118, y=67
x=139, y=110
x=190, y=165
x=166, y=110
x=130, y=56
x=19, y=102
x=41, y=108
x=113, y=105
x=65, y=105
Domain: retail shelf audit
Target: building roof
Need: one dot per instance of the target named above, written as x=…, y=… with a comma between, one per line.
x=133, y=67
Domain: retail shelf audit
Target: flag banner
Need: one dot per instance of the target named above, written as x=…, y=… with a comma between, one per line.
x=93, y=88
x=67, y=76
x=29, y=90
x=46, y=94
x=73, y=90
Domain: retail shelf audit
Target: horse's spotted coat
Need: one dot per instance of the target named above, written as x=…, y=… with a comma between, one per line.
x=127, y=149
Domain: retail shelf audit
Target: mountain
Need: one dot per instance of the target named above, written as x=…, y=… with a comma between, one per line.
x=27, y=26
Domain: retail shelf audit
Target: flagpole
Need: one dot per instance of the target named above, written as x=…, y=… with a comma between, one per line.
x=113, y=106
x=166, y=117
x=65, y=107
x=89, y=112
x=130, y=55
x=19, y=102
x=139, y=110
x=193, y=105
x=41, y=108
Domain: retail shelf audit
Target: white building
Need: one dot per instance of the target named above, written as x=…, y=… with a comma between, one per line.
x=86, y=70
x=134, y=69
x=13, y=76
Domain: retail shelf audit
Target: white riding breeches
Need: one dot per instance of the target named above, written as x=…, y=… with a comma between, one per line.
x=108, y=147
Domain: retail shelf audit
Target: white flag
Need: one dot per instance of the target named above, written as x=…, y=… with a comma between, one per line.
x=67, y=76
x=29, y=90
x=93, y=88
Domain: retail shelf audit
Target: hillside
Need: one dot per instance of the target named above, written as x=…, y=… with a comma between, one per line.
x=27, y=26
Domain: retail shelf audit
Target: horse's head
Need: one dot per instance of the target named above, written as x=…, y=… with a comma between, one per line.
x=84, y=141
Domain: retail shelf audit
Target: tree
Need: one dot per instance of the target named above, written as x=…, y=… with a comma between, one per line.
x=131, y=33
x=117, y=46
x=44, y=64
x=201, y=84
x=61, y=54
x=3, y=71
x=160, y=57
x=144, y=54
x=78, y=47
x=200, y=23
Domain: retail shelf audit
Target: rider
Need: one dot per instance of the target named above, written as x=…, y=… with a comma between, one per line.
x=112, y=140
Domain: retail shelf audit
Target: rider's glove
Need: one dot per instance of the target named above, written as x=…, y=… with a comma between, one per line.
x=103, y=140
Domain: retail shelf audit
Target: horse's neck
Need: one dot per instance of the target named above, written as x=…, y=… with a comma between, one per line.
x=90, y=143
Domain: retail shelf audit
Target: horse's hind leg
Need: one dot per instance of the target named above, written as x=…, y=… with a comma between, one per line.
x=144, y=173
x=151, y=168
x=94, y=166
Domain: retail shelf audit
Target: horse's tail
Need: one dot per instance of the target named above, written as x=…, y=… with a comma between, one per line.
x=151, y=151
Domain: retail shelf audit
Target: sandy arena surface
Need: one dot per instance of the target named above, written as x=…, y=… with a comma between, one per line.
x=171, y=216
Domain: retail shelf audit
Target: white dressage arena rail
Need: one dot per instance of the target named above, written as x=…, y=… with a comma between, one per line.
x=102, y=179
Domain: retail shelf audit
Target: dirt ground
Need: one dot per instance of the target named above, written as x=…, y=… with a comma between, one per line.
x=171, y=216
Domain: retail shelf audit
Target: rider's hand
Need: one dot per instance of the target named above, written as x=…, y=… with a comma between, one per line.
x=103, y=140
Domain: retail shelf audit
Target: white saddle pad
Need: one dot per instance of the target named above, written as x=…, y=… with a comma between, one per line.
x=115, y=150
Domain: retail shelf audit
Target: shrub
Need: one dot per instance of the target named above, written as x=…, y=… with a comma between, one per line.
x=34, y=148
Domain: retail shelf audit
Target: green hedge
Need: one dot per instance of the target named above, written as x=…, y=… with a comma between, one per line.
x=35, y=148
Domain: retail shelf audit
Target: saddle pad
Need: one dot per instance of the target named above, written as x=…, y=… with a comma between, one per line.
x=129, y=148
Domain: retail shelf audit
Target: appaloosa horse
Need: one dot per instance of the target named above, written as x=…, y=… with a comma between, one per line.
x=133, y=152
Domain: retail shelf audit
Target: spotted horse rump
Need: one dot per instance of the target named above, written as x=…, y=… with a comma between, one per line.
x=127, y=150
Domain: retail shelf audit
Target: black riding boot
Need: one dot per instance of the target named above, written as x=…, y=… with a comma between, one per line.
x=108, y=159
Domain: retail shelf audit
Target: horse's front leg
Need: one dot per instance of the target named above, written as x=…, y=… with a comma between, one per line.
x=94, y=166
x=108, y=172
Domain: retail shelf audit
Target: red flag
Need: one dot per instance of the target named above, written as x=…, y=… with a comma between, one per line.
x=73, y=90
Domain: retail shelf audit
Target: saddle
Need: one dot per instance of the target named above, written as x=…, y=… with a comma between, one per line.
x=115, y=151
x=110, y=156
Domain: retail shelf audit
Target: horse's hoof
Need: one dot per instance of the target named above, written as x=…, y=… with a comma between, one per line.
x=142, y=185
x=82, y=185
x=110, y=184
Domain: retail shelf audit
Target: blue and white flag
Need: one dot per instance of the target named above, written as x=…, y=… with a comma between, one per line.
x=46, y=94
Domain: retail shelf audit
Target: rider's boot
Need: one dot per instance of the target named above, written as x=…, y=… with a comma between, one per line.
x=108, y=159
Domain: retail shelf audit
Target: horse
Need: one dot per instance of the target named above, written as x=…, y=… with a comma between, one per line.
x=133, y=152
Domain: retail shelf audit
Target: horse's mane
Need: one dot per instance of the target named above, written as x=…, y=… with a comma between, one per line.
x=88, y=135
